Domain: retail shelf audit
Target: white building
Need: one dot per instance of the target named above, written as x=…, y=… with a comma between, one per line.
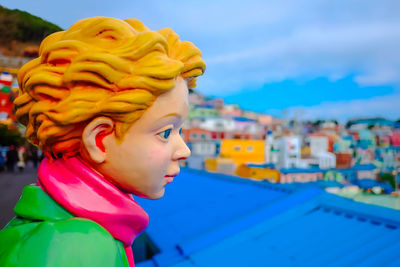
x=218, y=124
x=204, y=148
x=271, y=149
x=289, y=151
x=326, y=160
x=200, y=150
x=318, y=144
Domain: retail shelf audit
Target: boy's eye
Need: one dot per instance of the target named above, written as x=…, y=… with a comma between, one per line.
x=165, y=134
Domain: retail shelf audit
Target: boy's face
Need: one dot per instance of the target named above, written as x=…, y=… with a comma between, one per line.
x=147, y=158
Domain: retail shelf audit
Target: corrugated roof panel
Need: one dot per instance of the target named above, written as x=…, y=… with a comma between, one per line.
x=384, y=256
x=394, y=263
x=200, y=217
x=289, y=234
x=211, y=202
x=316, y=238
x=254, y=218
x=238, y=250
x=213, y=220
x=389, y=238
x=368, y=233
x=331, y=237
x=311, y=236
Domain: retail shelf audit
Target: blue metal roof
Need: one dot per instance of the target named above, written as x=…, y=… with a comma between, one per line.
x=243, y=119
x=325, y=184
x=197, y=202
x=214, y=220
x=298, y=170
x=266, y=165
x=395, y=148
x=369, y=183
x=373, y=121
x=315, y=233
x=364, y=167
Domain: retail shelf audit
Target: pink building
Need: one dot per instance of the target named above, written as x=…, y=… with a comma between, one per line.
x=295, y=175
x=396, y=138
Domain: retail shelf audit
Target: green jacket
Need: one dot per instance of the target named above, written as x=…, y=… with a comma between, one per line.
x=45, y=234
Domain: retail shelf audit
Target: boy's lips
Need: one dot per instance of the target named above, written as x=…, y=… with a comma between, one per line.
x=170, y=177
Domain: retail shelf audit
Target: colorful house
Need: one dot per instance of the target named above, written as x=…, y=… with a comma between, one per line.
x=195, y=98
x=321, y=142
x=318, y=144
x=206, y=148
x=297, y=175
x=220, y=165
x=344, y=160
x=366, y=171
x=247, y=129
x=343, y=144
x=202, y=111
x=196, y=134
x=200, y=151
x=259, y=172
x=346, y=175
x=289, y=148
x=243, y=151
x=396, y=138
x=214, y=124
x=6, y=99
x=231, y=110
x=333, y=175
x=367, y=139
x=216, y=103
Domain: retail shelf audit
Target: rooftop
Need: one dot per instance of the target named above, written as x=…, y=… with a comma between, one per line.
x=216, y=220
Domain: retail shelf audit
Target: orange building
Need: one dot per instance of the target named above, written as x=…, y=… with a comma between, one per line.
x=259, y=172
x=343, y=160
x=220, y=165
x=196, y=134
x=243, y=151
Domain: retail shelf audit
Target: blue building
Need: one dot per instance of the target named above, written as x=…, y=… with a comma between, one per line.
x=215, y=220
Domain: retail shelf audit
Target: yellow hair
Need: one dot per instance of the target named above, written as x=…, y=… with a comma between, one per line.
x=99, y=67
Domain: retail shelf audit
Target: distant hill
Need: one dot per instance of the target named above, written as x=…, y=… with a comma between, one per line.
x=20, y=30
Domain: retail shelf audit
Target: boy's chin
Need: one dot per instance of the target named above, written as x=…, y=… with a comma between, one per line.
x=156, y=195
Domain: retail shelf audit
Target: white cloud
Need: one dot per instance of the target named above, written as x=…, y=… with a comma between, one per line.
x=312, y=39
x=255, y=42
x=385, y=106
x=369, y=50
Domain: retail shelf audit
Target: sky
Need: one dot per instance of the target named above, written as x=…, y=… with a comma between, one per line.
x=298, y=59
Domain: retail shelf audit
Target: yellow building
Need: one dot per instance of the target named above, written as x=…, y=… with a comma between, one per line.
x=258, y=173
x=243, y=150
x=220, y=165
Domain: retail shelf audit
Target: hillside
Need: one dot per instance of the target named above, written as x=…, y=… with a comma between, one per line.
x=21, y=31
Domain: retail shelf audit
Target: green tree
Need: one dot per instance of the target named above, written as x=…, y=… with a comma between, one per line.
x=388, y=177
x=10, y=137
x=22, y=26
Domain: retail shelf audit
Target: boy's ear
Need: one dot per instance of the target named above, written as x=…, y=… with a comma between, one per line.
x=92, y=138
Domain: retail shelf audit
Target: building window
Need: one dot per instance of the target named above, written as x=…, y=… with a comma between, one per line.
x=194, y=135
x=236, y=148
x=203, y=136
x=249, y=148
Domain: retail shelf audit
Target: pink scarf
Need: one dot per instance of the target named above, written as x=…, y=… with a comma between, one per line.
x=86, y=194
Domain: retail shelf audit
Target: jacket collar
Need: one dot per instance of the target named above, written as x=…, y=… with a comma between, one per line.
x=85, y=193
x=35, y=204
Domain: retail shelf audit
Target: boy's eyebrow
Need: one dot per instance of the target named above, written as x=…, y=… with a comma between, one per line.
x=171, y=115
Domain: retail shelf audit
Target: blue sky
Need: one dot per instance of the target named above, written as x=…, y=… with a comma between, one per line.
x=305, y=59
